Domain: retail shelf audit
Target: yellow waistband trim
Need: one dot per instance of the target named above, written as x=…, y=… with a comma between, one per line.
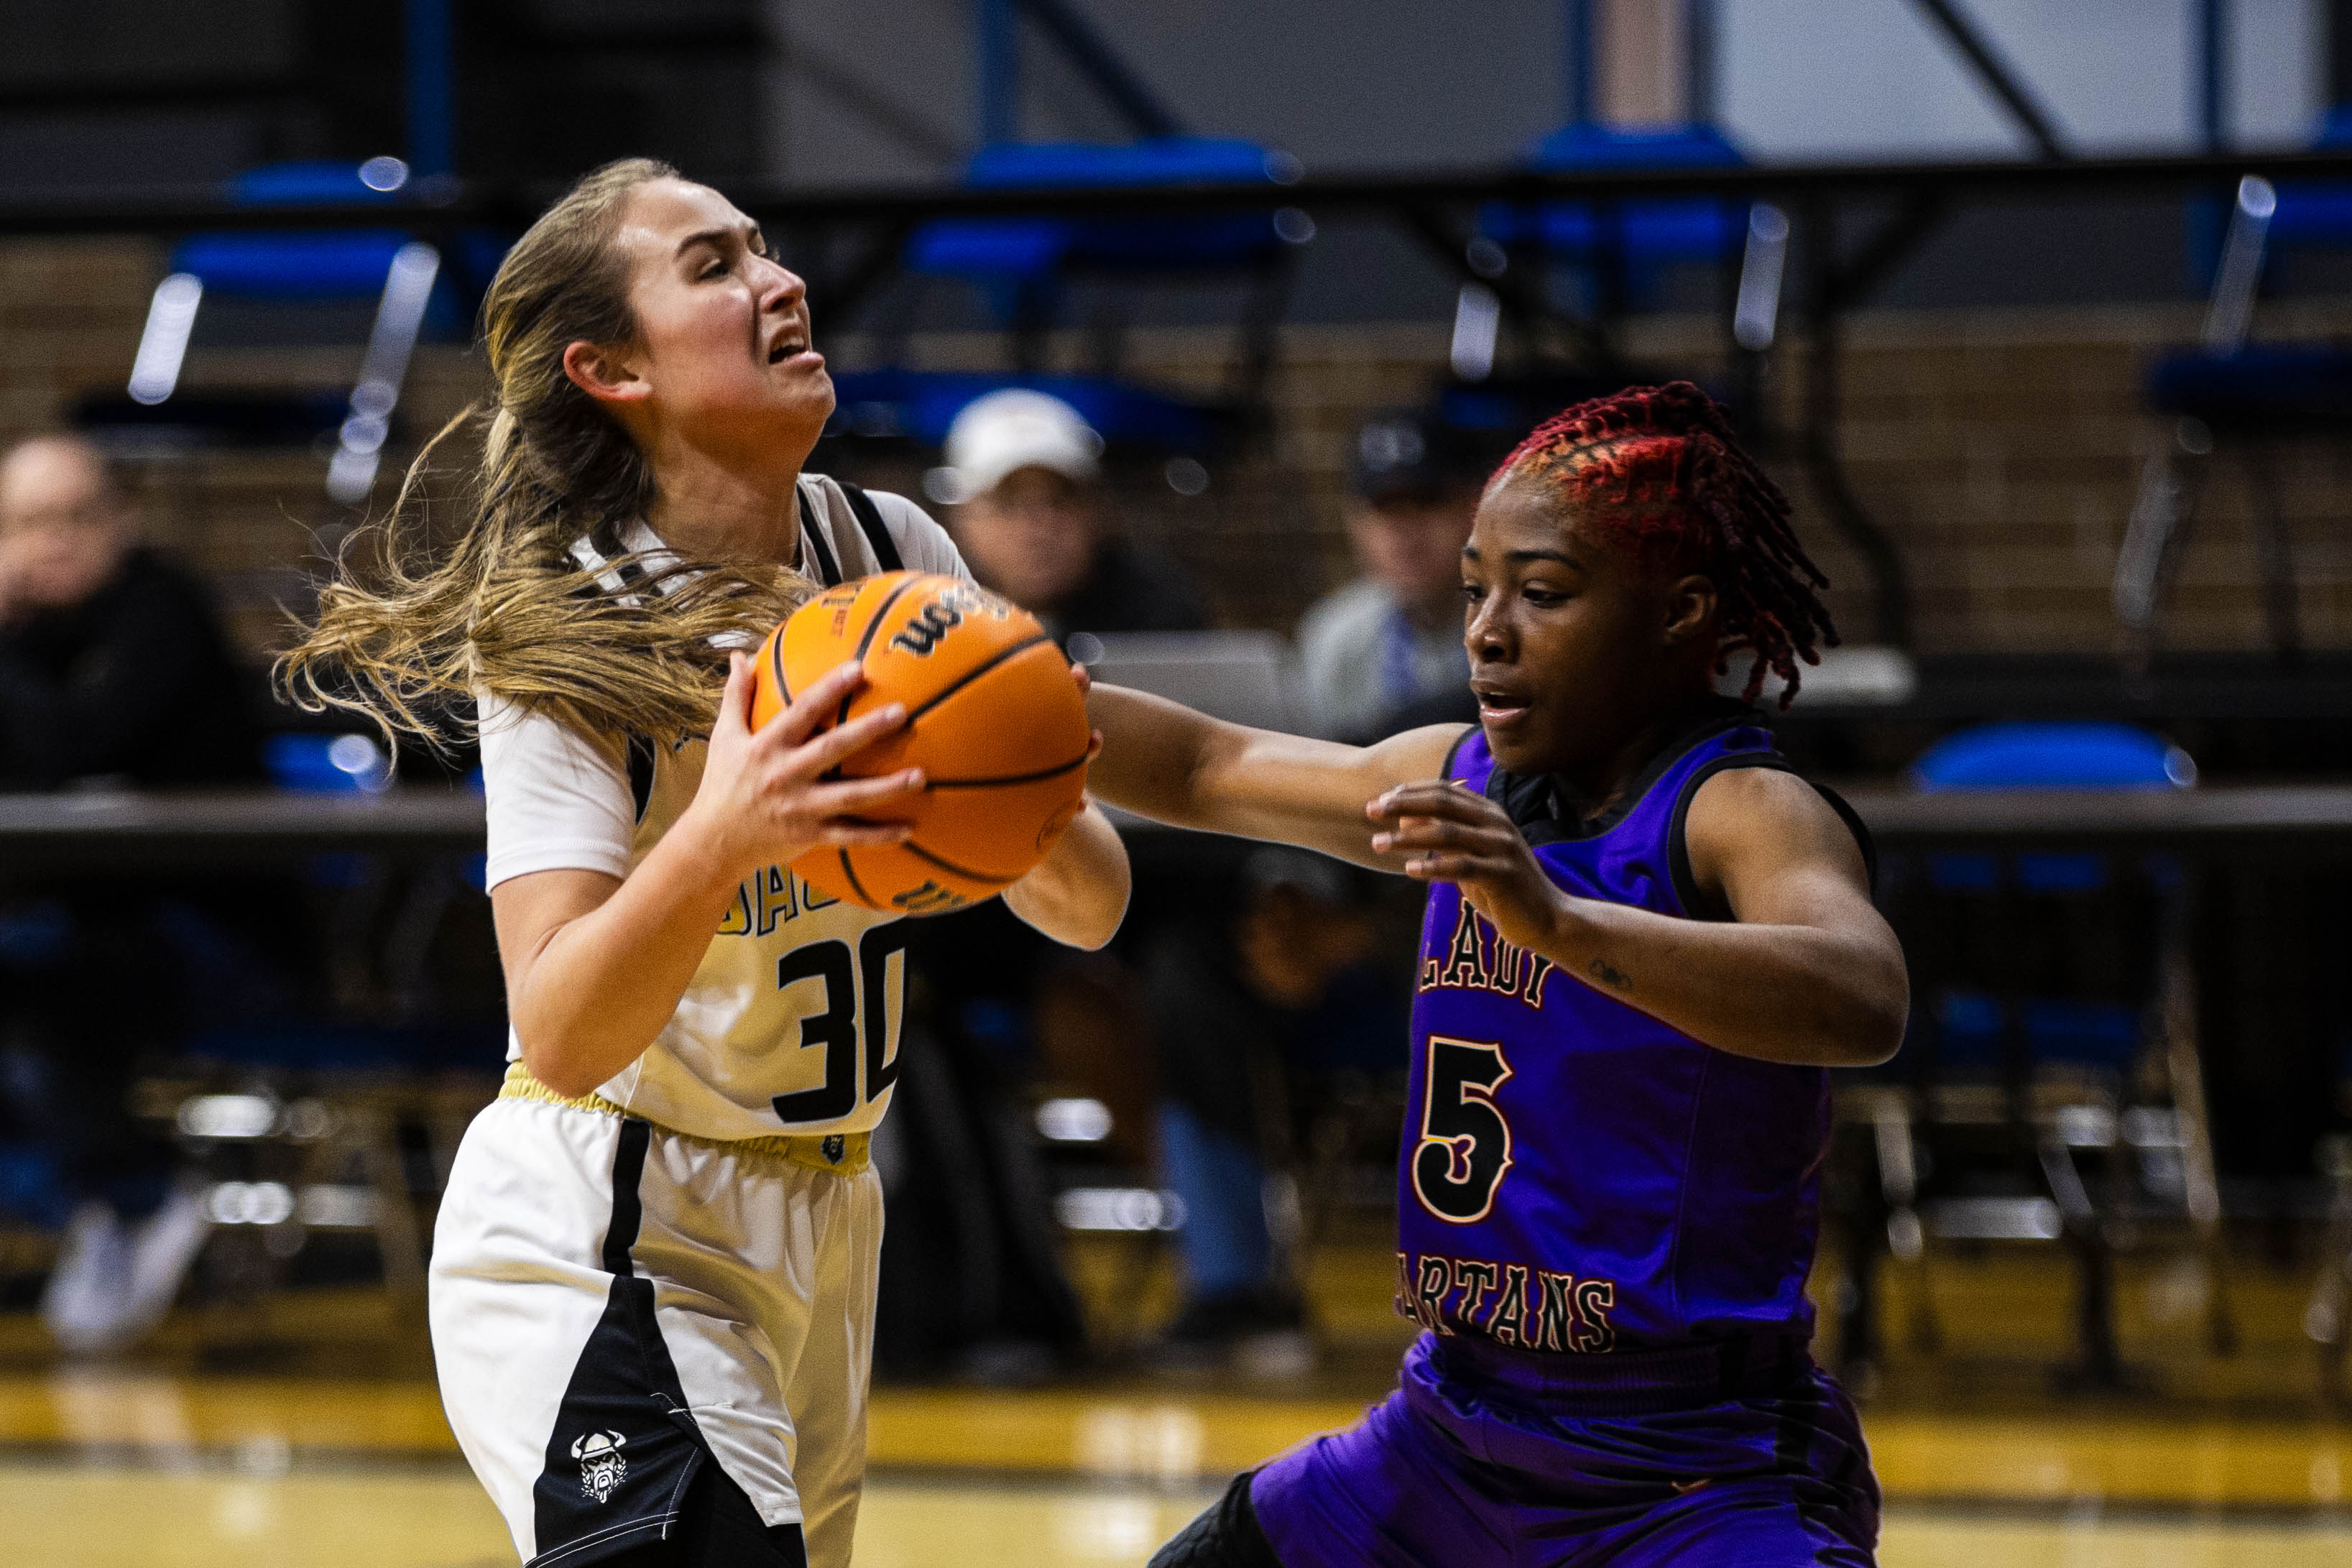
x=835, y=1154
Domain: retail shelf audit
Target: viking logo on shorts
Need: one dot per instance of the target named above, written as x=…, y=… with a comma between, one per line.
x=602, y=1469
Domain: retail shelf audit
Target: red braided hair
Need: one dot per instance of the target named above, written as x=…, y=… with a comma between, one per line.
x=1658, y=464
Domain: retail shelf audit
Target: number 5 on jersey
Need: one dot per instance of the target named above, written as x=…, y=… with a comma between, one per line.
x=1465, y=1144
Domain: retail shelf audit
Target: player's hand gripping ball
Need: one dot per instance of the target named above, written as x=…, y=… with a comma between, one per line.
x=994, y=719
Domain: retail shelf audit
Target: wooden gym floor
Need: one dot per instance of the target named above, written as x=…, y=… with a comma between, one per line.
x=310, y=1433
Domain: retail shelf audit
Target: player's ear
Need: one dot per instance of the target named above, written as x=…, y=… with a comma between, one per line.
x=605, y=372
x=1690, y=609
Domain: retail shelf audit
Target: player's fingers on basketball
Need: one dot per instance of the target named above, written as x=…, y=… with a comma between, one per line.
x=842, y=742
x=848, y=835
x=735, y=701
x=1094, y=744
x=812, y=707
x=851, y=796
x=1086, y=681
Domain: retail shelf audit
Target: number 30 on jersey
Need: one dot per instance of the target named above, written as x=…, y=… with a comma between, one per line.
x=1464, y=1147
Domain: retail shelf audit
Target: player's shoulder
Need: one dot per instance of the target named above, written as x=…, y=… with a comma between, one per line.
x=515, y=738
x=921, y=543
x=1770, y=812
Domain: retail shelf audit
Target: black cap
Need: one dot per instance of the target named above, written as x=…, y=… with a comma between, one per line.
x=1411, y=453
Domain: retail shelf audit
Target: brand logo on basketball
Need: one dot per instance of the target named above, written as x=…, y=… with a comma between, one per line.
x=931, y=898
x=602, y=1469
x=923, y=629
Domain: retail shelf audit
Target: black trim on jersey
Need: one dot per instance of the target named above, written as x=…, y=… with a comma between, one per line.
x=624, y=1396
x=869, y=520
x=1678, y=861
x=1536, y=806
x=641, y=758
x=828, y=569
x=1453, y=751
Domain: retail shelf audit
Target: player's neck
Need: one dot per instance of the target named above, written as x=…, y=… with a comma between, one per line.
x=720, y=506
x=730, y=497
x=1595, y=784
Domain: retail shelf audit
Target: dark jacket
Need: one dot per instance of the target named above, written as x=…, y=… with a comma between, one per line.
x=136, y=682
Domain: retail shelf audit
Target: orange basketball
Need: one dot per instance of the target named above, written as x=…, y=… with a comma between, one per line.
x=994, y=720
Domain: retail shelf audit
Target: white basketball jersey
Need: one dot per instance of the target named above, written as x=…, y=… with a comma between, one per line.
x=790, y=1023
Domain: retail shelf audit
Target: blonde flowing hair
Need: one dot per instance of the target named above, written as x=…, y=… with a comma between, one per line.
x=414, y=622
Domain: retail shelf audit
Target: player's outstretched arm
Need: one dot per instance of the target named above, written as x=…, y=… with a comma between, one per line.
x=1078, y=893
x=596, y=964
x=1166, y=761
x=1805, y=970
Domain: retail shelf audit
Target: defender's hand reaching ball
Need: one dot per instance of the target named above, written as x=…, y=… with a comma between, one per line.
x=1447, y=834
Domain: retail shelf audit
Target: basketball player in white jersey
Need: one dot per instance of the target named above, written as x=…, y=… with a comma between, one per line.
x=654, y=1272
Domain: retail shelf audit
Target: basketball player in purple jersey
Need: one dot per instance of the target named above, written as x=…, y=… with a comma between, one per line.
x=1645, y=941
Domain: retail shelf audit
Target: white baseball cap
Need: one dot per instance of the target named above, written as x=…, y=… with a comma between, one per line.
x=1015, y=429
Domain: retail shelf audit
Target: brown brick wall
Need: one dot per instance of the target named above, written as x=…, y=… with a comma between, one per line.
x=2001, y=450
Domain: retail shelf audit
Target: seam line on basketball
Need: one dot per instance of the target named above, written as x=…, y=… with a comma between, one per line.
x=865, y=638
x=972, y=675
x=857, y=887
x=944, y=863
x=776, y=666
x=1009, y=779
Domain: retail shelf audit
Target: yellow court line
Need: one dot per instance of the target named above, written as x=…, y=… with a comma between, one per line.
x=2159, y=1459
x=96, y=1517
x=2183, y=1461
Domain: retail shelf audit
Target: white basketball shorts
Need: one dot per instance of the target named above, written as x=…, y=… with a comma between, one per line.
x=615, y=1306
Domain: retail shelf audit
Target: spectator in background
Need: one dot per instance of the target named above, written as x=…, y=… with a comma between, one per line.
x=1390, y=641
x=112, y=664
x=1238, y=1003
x=1031, y=517
x=1033, y=521
x=112, y=668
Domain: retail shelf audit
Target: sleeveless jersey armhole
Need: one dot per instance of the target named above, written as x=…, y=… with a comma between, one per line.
x=1678, y=846
x=829, y=570
x=869, y=521
x=641, y=758
x=1453, y=751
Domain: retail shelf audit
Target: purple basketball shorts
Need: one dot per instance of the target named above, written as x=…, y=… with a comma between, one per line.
x=1739, y=1454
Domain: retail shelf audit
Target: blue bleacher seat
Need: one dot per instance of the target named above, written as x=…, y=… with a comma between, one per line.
x=1644, y=235
x=1021, y=263
x=921, y=405
x=2229, y=390
x=2041, y=755
x=348, y=264
x=313, y=763
x=2053, y=756
x=1019, y=248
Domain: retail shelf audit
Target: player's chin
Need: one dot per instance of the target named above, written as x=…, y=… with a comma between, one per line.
x=1518, y=739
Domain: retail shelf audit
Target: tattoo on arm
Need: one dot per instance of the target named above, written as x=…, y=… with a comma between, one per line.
x=1616, y=979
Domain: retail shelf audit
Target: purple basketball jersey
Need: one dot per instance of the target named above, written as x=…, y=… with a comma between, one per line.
x=1577, y=1175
